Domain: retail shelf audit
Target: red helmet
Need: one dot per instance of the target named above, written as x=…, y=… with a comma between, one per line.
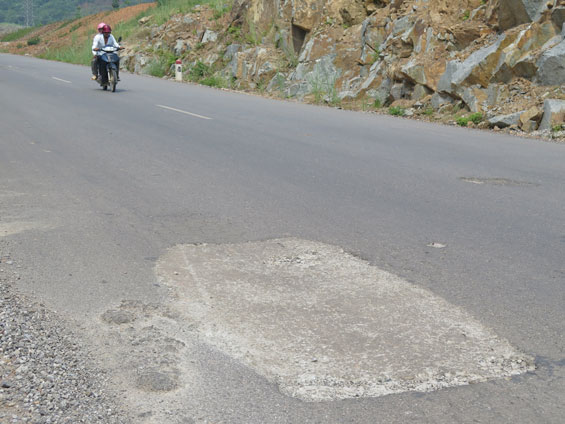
x=106, y=28
x=100, y=26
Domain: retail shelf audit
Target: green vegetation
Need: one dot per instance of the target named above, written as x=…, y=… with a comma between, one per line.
x=377, y=104
x=75, y=27
x=252, y=37
x=204, y=74
x=322, y=86
x=221, y=7
x=65, y=23
x=161, y=64
x=156, y=68
x=33, y=41
x=199, y=71
x=16, y=35
x=475, y=118
x=167, y=8
x=160, y=14
x=557, y=128
x=235, y=32
x=215, y=81
x=81, y=54
x=396, y=111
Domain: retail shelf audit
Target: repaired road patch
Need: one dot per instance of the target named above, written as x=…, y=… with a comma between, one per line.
x=326, y=325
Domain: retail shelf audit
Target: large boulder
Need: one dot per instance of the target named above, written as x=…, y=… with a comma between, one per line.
x=503, y=121
x=553, y=113
x=424, y=71
x=551, y=66
x=512, y=13
x=307, y=14
x=477, y=69
x=518, y=58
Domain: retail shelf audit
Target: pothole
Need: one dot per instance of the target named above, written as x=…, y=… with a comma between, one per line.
x=498, y=182
x=156, y=381
x=326, y=325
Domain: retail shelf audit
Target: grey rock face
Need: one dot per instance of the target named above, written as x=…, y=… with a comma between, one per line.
x=516, y=12
x=551, y=66
x=553, y=113
x=456, y=72
x=231, y=51
x=503, y=121
x=382, y=93
x=439, y=100
x=180, y=47
x=209, y=36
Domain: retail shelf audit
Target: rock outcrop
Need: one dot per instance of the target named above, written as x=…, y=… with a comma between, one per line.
x=499, y=58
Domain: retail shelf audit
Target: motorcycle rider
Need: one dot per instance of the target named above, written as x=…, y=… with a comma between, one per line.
x=94, y=62
x=106, y=40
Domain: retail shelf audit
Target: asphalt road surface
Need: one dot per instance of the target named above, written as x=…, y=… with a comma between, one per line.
x=224, y=256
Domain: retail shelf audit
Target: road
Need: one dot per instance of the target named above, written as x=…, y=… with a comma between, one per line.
x=100, y=191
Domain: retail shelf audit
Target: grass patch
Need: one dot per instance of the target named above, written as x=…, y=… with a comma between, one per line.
x=221, y=7
x=204, y=74
x=160, y=13
x=475, y=118
x=34, y=41
x=322, y=86
x=81, y=55
x=64, y=24
x=396, y=111
x=16, y=35
x=252, y=37
x=215, y=81
x=160, y=66
x=75, y=27
x=235, y=32
x=156, y=68
x=199, y=71
x=167, y=8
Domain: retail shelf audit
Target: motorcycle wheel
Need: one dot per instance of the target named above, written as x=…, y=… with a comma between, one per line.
x=113, y=79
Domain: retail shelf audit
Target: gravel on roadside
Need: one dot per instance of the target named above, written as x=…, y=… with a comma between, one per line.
x=45, y=375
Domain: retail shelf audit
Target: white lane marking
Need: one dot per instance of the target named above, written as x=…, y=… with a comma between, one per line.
x=183, y=111
x=62, y=80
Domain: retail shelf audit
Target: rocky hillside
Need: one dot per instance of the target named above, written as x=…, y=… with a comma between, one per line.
x=491, y=64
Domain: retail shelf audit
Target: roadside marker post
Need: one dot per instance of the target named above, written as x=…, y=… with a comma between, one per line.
x=178, y=70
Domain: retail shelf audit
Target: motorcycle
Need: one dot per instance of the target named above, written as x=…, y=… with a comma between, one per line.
x=108, y=68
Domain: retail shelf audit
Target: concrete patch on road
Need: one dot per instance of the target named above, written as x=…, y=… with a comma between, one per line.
x=14, y=215
x=326, y=325
x=15, y=227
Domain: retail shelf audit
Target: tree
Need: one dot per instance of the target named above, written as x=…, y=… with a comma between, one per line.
x=116, y=4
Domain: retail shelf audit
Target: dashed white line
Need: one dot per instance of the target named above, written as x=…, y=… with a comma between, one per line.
x=183, y=111
x=62, y=80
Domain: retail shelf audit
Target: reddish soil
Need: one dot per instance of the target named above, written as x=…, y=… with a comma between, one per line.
x=75, y=33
